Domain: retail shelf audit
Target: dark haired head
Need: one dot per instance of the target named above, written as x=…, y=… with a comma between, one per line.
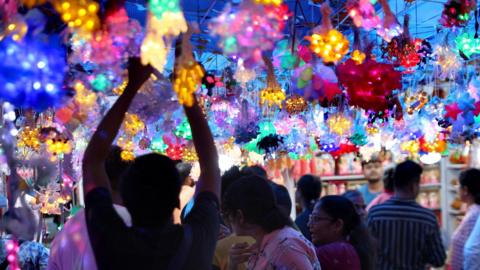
x=230, y=176
x=115, y=167
x=150, y=189
x=375, y=158
x=254, y=197
x=310, y=189
x=406, y=175
x=255, y=170
x=354, y=230
x=388, y=179
x=470, y=179
x=283, y=198
x=184, y=170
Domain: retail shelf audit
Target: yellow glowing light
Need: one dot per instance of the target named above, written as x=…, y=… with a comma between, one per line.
x=188, y=78
x=80, y=14
x=331, y=47
x=189, y=155
x=339, y=124
x=272, y=95
x=411, y=147
x=269, y=2
x=296, y=104
x=372, y=130
x=29, y=137
x=59, y=146
x=83, y=96
x=133, y=124
x=154, y=49
x=358, y=57
x=119, y=89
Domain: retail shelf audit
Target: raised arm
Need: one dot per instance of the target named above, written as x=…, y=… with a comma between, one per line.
x=94, y=174
x=207, y=152
x=202, y=136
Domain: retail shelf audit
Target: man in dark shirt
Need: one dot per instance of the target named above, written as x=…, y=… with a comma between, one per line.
x=407, y=234
x=150, y=192
x=309, y=188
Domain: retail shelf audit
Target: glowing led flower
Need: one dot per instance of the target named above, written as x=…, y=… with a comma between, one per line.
x=358, y=57
x=339, y=124
x=272, y=96
x=133, y=124
x=296, y=104
x=363, y=14
x=29, y=138
x=468, y=44
x=80, y=14
x=411, y=147
x=448, y=61
x=188, y=79
x=59, y=146
x=331, y=47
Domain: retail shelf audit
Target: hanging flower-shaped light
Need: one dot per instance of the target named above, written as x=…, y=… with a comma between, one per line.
x=157, y=145
x=249, y=31
x=79, y=14
x=133, y=124
x=403, y=48
x=339, y=124
x=165, y=21
x=29, y=138
x=326, y=42
x=412, y=147
x=468, y=44
x=273, y=94
x=188, y=74
x=369, y=85
x=183, y=130
x=189, y=155
x=295, y=105
x=32, y=71
x=390, y=27
x=363, y=14
x=59, y=146
x=242, y=74
x=358, y=57
x=448, y=61
x=456, y=13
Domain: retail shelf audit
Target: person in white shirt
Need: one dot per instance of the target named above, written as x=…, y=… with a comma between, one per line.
x=71, y=249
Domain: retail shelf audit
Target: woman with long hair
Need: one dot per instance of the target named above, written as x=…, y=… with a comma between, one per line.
x=250, y=207
x=341, y=238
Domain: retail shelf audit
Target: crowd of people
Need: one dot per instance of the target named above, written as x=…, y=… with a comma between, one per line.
x=241, y=219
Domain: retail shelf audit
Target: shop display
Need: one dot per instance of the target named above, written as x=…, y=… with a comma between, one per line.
x=355, y=85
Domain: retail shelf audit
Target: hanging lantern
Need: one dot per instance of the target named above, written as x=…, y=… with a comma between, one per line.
x=296, y=105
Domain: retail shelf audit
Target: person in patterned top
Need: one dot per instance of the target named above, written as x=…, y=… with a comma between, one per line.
x=250, y=207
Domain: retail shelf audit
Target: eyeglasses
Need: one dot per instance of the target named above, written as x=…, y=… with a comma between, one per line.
x=317, y=218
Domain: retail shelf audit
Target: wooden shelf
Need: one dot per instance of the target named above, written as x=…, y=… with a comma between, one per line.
x=453, y=189
x=353, y=177
x=456, y=166
x=456, y=212
x=431, y=186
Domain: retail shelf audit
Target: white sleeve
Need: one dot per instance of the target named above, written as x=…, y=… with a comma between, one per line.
x=472, y=249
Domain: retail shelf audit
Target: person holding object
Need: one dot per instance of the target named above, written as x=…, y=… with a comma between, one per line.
x=150, y=190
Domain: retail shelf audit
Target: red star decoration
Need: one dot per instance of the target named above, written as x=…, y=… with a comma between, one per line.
x=452, y=111
x=476, y=111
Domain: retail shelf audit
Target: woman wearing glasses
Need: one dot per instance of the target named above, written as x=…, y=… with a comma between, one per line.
x=342, y=240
